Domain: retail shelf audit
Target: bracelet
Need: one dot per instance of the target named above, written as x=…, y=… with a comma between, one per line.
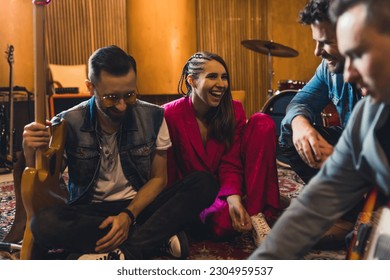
x=130, y=214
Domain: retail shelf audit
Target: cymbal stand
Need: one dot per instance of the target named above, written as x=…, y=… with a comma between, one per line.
x=270, y=74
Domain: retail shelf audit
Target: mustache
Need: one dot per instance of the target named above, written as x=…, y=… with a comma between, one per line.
x=328, y=56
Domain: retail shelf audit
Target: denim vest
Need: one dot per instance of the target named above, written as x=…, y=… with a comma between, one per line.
x=136, y=142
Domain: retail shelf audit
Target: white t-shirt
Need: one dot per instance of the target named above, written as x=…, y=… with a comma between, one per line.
x=112, y=184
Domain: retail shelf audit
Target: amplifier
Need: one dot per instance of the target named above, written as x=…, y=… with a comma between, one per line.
x=64, y=101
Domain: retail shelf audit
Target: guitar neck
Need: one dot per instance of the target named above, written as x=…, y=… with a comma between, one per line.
x=10, y=156
x=39, y=72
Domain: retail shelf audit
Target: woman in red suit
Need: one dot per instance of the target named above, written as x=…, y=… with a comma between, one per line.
x=209, y=132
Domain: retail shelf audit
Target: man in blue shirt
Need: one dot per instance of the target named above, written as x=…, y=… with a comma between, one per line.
x=304, y=143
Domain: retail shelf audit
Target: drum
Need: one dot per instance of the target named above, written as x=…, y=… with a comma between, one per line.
x=276, y=106
x=290, y=84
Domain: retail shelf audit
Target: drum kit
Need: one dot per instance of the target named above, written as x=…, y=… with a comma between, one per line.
x=277, y=101
x=271, y=49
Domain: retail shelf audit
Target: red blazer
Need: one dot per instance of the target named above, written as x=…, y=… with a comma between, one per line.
x=188, y=154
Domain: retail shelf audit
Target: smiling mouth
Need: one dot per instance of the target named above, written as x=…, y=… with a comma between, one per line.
x=331, y=61
x=217, y=94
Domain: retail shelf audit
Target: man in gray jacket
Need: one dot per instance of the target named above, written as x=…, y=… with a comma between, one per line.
x=361, y=158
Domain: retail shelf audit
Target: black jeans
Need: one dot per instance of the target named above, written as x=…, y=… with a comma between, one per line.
x=291, y=156
x=75, y=227
x=305, y=172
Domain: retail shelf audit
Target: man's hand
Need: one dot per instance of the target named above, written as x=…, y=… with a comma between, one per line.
x=120, y=224
x=35, y=136
x=240, y=218
x=118, y=233
x=310, y=145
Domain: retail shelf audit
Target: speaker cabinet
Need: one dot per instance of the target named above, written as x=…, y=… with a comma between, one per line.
x=62, y=102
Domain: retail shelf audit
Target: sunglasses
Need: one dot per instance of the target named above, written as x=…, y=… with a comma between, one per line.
x=111, y=100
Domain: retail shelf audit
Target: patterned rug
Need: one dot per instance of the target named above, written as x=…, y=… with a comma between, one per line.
x=290, y=185
x=7, y=207
x=237, y=248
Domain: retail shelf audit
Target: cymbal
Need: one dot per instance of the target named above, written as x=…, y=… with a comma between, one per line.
x=269, y=48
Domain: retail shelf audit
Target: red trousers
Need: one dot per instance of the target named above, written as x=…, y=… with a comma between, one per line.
x=261, y=188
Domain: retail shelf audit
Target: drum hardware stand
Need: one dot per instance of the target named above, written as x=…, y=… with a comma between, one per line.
x=270, y=74
x=270, y=48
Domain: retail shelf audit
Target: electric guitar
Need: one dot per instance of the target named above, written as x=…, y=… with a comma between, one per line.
x=11, y=131
x=41, y=185
x=3, y=140
x=371, y=236
x=378, y=245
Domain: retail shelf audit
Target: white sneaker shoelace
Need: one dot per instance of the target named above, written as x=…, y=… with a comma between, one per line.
x=260, y=228
x=112, y=255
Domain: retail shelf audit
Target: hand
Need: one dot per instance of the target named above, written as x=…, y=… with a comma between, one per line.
x=35, y=136
x=118, y=233
x=310, y=145
x=240, y=218
x=326, y=150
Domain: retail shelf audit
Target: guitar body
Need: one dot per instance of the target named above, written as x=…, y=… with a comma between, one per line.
x=362, y=227
x=371, y=236
x=378, y=245
x=41, y=188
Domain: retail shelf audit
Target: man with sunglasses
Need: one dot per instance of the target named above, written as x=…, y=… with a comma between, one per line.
x=116, y=157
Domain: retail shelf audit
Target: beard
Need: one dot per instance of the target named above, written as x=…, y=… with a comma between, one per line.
x=335, y=64
x=338, y=68
x=111, y=114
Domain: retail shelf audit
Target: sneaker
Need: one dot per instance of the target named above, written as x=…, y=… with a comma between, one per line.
x=112, y=255
x=177, y=246
x=260, y=228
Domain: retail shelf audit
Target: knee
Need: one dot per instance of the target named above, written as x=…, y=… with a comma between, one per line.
x=41, y=224
x=263, y=121
x=259, y=134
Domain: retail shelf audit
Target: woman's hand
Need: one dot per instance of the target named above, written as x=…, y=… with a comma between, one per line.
x=240, y=218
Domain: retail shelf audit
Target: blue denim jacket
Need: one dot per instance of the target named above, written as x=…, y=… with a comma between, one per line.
x=313, y=98
x=136, y=142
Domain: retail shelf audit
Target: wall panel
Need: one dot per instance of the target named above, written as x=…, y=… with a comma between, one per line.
x=222, y=25
x=77, y=28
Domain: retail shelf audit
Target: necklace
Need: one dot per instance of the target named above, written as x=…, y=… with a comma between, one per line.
x=109, y=150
